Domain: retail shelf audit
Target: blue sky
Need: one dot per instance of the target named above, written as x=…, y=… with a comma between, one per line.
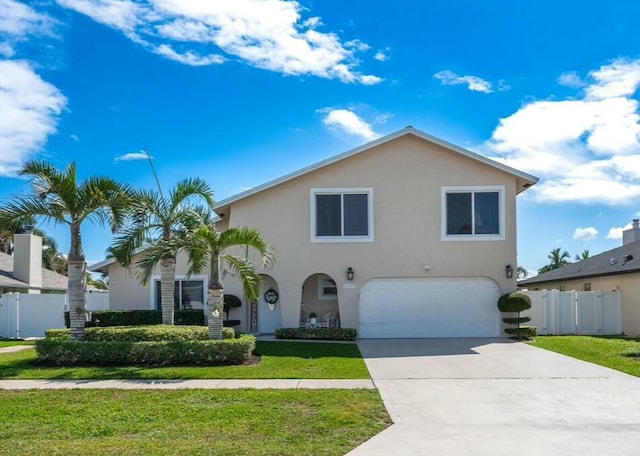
x=244, y=91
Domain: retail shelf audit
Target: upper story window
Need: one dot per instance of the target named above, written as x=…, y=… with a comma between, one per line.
x=341, y=214
x=473, y=213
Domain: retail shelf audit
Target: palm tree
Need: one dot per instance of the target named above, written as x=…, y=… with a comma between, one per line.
x=159, y=229
x=557, y=260
x=522, y=273
x=57, y=196
x=211, y=246
x=583, y=256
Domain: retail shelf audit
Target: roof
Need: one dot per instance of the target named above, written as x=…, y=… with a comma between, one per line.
x=524, y=180
x=50, y=280
x=621, y=260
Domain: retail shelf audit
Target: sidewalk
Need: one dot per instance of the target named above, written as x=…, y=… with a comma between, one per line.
x=187, y=384
x=15, y=348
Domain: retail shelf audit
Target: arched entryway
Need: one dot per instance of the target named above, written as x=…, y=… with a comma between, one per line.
x=319, y=306
x=269, y=306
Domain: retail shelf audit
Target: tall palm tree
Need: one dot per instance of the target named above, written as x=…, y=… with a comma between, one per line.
x=57, y=196
x=557, y=260
x=210, y=248
x=159, y=229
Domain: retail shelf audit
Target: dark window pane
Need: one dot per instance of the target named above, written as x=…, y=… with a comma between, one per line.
x=192, y=295
x=487, y=217
x=176, y=296
x=328, y=219
x=459, y=213
x=356, y=215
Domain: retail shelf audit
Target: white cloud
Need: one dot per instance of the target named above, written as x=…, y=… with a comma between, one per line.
x=142, y=155
x=585, y=234
x=571, y=79
x=29, y=109
x=616, y=232
x=267, y=34
x=381, y=56
x=349, y=122
x=473, y=83
x=585, y=149
x=74, y=137
x=17, y=20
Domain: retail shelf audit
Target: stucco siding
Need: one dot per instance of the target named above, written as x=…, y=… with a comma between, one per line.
x=406, y=176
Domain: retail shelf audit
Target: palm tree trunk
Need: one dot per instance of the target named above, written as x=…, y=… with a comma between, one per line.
x=216, y=305
x=167, y=289
x=77, y=298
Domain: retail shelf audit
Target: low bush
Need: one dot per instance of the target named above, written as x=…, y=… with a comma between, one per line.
x=141, y=333
x=523, y=332
x=61, y=352
x=317, y=333
x=139, y=317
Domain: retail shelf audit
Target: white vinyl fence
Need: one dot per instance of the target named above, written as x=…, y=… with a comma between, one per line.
x=575, y=312
x=29, y=315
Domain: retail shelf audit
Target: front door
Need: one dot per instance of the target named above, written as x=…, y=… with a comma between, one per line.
x=269, y=307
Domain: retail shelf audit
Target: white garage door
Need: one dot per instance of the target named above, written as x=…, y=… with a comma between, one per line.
x=439, y=307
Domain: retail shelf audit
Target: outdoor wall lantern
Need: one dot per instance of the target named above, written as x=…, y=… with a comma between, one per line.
x=349, y=273
x=509, y=270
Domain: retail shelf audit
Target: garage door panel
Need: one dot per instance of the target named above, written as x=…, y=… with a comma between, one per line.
x=421, y=308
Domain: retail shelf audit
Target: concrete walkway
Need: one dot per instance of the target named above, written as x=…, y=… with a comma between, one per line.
x=497, y=397
x=15, y=348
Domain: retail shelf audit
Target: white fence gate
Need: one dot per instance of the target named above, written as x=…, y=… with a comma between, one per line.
x=29, y=315
x=575, y=312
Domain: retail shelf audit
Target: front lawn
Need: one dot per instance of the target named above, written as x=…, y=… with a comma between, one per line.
x=619, y=353
x=194, y=422
x=278, y=360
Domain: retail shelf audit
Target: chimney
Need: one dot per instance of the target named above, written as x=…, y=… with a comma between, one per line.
x=27, y=260
x=632, y=234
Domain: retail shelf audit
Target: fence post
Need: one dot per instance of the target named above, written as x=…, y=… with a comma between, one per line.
x=17, y=315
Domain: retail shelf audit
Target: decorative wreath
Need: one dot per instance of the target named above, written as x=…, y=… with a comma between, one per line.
x=271, y=296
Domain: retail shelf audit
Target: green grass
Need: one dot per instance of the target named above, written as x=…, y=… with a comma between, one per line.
x=194, y=422
x=619, y=353
x=11, y=343
x=279, y=360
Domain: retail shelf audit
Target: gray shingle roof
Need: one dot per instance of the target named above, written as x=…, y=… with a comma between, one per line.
x=50, y=280
x=621, y=260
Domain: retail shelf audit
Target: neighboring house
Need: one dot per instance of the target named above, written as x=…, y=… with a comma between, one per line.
x=407, y=236
x=23, y=272
x=614, y=270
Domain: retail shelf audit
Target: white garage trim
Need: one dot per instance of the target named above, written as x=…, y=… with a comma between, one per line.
x=425, y=308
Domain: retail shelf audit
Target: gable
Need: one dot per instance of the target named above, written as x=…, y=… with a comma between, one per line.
x=456, y=160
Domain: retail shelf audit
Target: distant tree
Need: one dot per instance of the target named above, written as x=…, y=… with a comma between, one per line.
x=522, y=272
x=583, y=256
x=557, y=259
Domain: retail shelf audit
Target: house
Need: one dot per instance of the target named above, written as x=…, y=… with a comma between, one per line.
x=23, y=272
x=406, y=236
x=617, y=269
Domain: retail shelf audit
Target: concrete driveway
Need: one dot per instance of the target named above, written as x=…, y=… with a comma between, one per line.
x=498, y=397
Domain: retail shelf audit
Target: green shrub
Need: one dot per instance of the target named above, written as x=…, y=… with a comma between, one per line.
x=157, y=333
x=514, y=302
x=516, y=320
x=139, y=317
x=156, y=353
x=317, y=333
x=523, y=332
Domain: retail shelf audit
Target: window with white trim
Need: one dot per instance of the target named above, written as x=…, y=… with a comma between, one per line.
x=473, y=213
x=327, y=288
x=187, y=294
x=341, y=214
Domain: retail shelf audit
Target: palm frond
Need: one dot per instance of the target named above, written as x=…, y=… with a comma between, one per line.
x=250, y=278
x=249, y=237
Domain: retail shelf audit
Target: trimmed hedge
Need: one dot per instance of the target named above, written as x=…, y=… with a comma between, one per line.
x=317, y=333
x=154, y=353
x=157, y=333
x=139, y=317
x=523, y=332
x=516, y=320
x=514, y=302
